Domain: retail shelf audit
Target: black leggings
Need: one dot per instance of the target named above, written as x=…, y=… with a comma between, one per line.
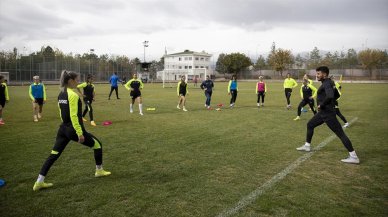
x=88, y=108
x=262, y=94
x=339, y=114
x=304, y=102
x=117, y=91
x=64, y=136
x=330, y=119
x=287, y=92
x=234, y=96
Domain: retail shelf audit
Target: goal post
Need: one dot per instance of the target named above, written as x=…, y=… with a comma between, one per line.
x=174, y=75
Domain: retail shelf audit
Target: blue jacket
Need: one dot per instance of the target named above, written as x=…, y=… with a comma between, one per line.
x=113, y=80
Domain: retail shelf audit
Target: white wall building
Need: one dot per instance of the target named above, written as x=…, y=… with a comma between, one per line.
x=187, y=63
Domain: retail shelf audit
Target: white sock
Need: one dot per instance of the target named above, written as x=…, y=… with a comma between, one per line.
x=307, y=144
x=141, y=108
x=98, y=167
x=353, y=154
x=131, y=106
x=40, y=178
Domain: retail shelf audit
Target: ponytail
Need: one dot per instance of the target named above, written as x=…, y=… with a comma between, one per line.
x=65, y=77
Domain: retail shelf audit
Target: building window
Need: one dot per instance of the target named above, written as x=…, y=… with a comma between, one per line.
x=185, y=67
x=201, y=67
x=196, y=67
x=196, y=58
x=190, y=58
x=202, y=58
x=190, y=67
x=207, y=59
x=180, y=59
x=180, y=67
x=207, y=67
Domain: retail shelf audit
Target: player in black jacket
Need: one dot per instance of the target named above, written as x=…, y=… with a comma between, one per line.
x=326, y=114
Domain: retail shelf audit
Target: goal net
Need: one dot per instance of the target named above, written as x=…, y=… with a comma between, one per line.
x=170, y=77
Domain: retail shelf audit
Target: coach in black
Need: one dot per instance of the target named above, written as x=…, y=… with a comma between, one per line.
x=326, y=114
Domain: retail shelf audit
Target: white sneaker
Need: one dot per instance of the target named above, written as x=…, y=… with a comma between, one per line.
x=184, y=109
x=178, y=107
x=351, y=160
x=346, y=125
x=131, y=111
x=35, y=118
x=39, y=115
x=141, y=113
x=304, y=148
x=258, y=104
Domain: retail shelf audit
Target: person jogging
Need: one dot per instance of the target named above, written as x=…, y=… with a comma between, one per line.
x=207, y=85
x=289, y=84
x=71, y=129
x=181, y=90
x=89, y=96
x=326, y=114
x=37, y=92
x=232, y=90
x=337, y=110
x=308, y=92
x=4, y=97
x=114, y=79
x=261, y=90
x=135, y=85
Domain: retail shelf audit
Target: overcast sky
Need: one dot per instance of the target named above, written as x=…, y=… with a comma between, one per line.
x=215, y=26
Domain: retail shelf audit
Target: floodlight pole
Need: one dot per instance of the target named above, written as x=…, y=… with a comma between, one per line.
x=145, y=44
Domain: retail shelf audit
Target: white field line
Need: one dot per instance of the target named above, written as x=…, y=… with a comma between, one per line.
x=254, y=195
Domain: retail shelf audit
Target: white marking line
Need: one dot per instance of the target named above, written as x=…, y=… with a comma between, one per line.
x=245, y=201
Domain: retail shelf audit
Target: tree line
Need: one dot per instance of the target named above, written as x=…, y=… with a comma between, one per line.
x=49, y=62
x=281, y=60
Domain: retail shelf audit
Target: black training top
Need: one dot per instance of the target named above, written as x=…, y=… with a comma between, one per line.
x=325, y=96
x=70, y=110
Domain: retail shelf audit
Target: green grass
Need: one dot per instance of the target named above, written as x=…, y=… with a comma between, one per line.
x=197, y=163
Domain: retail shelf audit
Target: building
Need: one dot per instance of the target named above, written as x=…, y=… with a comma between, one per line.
x=189, y=63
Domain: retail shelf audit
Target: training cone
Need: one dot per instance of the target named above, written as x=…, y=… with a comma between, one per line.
x=106, y=123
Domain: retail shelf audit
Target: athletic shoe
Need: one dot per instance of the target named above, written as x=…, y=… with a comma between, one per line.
x=141, y=113
x=41, y=185
x=351, y=160
x=84, y=119
x=2, y=122
x=304, y=148
x=297, y=118
x=101, y=173
x=262, y=104
x=35, y=118
x=39, y=115
x=346, y=125
x=131, y=111
x=205, y=105
x=178, y=107
x=258, y=104
x=288, y=107
x=184, y=109
x=93, y=123
x=209, y=108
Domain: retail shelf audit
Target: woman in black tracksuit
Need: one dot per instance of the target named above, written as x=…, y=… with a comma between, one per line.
x=72, y=128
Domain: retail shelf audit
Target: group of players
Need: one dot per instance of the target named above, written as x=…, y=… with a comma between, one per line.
x=72, y=127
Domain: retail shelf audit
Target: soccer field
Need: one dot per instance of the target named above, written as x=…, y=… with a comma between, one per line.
x=198, y=163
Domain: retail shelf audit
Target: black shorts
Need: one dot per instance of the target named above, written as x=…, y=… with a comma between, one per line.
x=135, y=93
x=2, y=103
x=182, y=94
x=39, y=101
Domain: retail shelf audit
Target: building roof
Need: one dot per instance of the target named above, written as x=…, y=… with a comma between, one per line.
x=191, y=53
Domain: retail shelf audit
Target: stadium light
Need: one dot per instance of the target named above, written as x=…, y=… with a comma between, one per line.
x=145, y=44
